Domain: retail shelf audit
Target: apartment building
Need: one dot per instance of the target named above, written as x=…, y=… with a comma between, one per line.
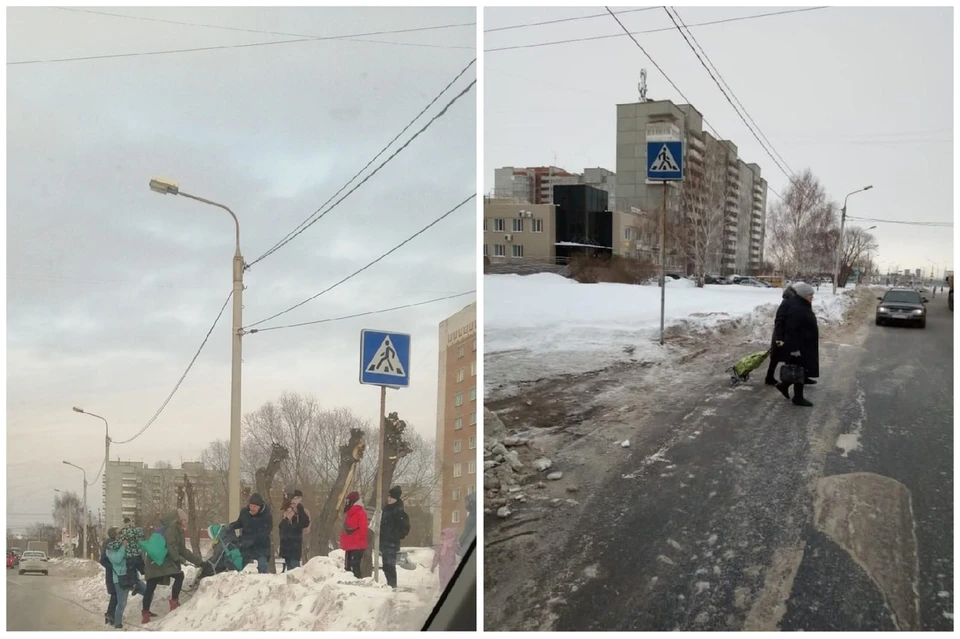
x=456, y=418
x=534, y=185
x=514, y=230
x=742, y=194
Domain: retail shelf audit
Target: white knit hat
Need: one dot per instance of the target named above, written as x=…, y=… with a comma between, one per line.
x=803, y=289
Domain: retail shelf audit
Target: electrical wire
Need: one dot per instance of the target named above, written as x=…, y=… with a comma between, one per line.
x=573, y=19
x=659, y=30
x=307, y=222
x=909, y=223
x=364, y=314
x=361, y=270
x=182, y=377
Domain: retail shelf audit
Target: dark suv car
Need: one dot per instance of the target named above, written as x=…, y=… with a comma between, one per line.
x=902, y=305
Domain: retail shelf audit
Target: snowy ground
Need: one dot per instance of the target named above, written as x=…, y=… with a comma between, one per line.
x=539, y=326
x=320, y=596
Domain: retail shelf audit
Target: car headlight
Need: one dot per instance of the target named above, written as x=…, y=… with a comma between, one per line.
x=918, y=311
x=882, y=309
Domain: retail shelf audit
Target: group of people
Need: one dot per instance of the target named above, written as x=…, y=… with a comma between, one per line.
x=795, y=341
x=129, y=553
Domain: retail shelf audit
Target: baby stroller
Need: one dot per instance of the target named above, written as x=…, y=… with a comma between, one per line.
x=225, y=556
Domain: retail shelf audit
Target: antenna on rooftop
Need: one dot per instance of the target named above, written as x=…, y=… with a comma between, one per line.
x=642, y=86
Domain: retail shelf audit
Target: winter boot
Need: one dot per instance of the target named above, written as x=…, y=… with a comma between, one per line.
x=174, y=604
x=145, y=619
x=770, y=381
x=784, y=389
x=798, y=399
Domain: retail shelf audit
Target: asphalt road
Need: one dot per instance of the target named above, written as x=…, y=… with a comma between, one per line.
x=35, y=602
x=744, y=512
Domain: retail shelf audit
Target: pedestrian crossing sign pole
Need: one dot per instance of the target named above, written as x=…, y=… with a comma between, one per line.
x=664, y=164
x=384, y=362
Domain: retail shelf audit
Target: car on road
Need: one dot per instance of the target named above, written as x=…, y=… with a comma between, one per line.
x=902, y=305
x=34, y=561
x=12, y=560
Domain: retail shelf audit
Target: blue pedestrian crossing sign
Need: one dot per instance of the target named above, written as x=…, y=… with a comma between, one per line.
x=665, y=160
x=384, y=358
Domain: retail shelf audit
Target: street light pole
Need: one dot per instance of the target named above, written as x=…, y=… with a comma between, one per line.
x=167, y=187
x=106, y=457
x=843, y=220
x=85, y=526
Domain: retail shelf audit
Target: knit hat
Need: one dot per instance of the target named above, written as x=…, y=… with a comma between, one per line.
x=803, y=289
x=353, y=497
x=395, y=492
x=181, y=513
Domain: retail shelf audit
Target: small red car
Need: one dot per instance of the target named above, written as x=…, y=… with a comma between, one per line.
x=11, y=560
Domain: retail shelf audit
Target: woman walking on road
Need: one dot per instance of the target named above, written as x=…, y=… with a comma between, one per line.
x=776, y=342
x=801, y=339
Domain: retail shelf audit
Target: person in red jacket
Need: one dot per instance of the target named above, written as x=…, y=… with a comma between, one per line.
x=353, y=539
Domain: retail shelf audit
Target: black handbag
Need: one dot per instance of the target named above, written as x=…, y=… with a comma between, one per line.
x=792, y=374
x=127, y=580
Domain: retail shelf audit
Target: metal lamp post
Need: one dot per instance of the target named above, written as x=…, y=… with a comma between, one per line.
x=169, y=187
x=843, y=220
x=106, y=453
x=86, y=539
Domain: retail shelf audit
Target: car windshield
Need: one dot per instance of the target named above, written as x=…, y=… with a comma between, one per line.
x=902, y=297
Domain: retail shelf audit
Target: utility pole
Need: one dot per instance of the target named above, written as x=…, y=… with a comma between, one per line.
x=843, y=220
x=380, y=460
x=70, y=528
x=663, y=261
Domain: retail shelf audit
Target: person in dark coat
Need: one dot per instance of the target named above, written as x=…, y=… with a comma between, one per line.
x=295, y=520
x=394, y=526
x=256, y=522
x=801, y=339
x=111, y=586
x=776, y=342
x=470, y=525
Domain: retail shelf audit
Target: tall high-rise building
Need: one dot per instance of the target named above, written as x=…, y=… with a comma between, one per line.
x=456, y=418
x=741, y=192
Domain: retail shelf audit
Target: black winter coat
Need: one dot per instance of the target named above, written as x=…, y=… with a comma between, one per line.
x=391, y=525
x=255, y=540
x=788, y=294
x=291, y=534
x=800, y=333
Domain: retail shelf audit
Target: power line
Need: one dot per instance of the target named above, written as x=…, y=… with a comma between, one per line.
x=909, y=223
x=788, y=173
x=182, y=377
x=574, y=19
x=102, y=466
x=361, y=270
x=307, y=222
x=659, y=30
x=223, y=46
x=364, y=314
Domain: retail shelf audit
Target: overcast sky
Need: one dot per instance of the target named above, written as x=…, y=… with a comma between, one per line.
x=860, y=96
x=111, y=287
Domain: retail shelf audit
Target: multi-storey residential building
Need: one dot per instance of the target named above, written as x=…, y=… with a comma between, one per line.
x=742, y=196
x=534, y=185
x=456, y=418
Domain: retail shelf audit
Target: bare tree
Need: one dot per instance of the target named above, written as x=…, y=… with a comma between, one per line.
x=857, y=244
x=160, y=492
x=798, y=224
x=699, y=235
x=350, y=455
x=68, y=513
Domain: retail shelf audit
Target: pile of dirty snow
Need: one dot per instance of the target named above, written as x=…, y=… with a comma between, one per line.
x=319, y=596
x=542, y=325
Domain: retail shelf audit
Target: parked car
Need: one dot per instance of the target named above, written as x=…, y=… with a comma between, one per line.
x=34, y=561
x=715, y=279
x=12, y=560
x=749, y=281
x=902, y=305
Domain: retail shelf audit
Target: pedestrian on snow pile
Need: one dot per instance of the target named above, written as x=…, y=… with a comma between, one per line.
x=175, y=552
x=801, y=339
x=111, y=586
x=353, y=539
x=132, y=535
x=469, y=526
x=289, y=494
x=295, y=520
x=394, y=527
x=776, y=342
x=256, y=522
x=445, y=556
x=124, y=583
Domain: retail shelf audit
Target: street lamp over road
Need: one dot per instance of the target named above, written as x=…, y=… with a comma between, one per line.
x=170, y=187
x=84, y=519
x=106, y=451
x=843, y=221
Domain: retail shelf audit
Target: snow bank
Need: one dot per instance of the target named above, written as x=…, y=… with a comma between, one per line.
x=319, y=596
x=541, y=325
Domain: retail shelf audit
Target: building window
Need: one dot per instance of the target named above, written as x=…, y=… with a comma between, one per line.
x=485, y=250
x=473, y=418
x=472, y=468
x=472, y=442
x=471, y=489
x=484, y=224
x=627, y=233
x=456, y=494
x=499, y=225
x=536, y=225
x=456, y=517
x=459, y=351
x=458, y=399
x=457, y=446
x=499, y=250
x=458, y=423
x=517, y=225
x=460, y=375
x=517, y=250
x=458, y=470
x=473, y=369
x=474, y=345
x=473, y=394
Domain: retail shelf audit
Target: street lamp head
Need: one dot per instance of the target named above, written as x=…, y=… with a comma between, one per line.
x=867, y=188
x=77, y=410
x=164, y=186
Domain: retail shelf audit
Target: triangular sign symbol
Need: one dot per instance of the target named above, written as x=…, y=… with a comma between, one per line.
x=664, y=162
x=385, y=360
